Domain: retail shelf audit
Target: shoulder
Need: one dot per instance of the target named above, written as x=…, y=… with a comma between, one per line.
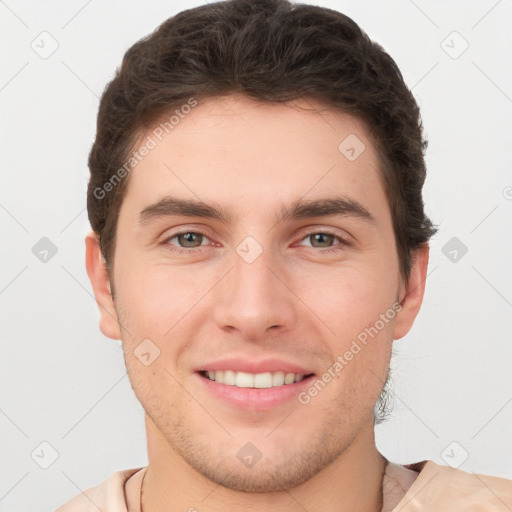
x=438, y=487
x=108, y=496
x=395, y=484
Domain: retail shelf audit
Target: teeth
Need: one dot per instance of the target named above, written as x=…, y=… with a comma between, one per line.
x=263, y=380
x=289, y=378
x=277, y=379
x=229, y=378
x=251, y=380
x=243, y=380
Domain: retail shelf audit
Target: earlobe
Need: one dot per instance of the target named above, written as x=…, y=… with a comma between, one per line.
x=412, y=293
x=98, y=275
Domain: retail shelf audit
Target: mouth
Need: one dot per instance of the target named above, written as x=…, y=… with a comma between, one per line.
x=253, y=392
x=254, y=380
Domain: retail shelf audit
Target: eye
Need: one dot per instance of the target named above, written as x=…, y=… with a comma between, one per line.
x=186, y=240
x=325, y=240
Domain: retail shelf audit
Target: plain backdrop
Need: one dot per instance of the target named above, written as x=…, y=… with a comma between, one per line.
x=66, y=402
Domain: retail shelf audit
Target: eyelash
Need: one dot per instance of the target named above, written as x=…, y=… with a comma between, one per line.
x=181, y=250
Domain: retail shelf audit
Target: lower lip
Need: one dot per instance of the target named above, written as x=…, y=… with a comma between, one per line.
x=254, y=399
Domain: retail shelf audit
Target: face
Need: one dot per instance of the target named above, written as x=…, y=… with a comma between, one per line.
x=291, y=263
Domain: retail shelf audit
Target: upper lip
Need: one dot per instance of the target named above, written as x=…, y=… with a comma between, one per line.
x=250, y=366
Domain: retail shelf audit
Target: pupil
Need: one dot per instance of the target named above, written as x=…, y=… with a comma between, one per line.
x=319, y=237
x=189, y=239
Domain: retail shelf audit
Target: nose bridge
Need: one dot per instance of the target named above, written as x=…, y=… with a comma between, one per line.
x=253, y=298
x=252, y=277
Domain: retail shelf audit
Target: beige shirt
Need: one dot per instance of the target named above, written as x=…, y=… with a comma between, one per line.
x=420, y=487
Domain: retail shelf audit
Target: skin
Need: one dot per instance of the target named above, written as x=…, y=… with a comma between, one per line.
x=295, y=301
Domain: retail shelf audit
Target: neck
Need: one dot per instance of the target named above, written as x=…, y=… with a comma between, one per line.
x=352, y=482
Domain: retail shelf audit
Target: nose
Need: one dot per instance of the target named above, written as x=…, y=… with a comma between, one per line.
x=255, y=298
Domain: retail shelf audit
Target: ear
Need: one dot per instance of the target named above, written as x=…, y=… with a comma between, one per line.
x=97, y=272
x=412, y=293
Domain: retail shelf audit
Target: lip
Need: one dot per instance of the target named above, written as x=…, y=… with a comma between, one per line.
x=239, y=364
x=253, y=399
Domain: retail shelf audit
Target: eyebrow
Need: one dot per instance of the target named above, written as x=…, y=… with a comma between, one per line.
x=298, y=209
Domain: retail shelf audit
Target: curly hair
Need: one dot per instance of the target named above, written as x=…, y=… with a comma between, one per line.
x=273, y=51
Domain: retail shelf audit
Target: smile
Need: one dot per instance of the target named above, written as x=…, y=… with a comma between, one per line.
x=253, y=380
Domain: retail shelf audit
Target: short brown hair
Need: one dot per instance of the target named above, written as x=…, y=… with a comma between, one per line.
x=269, y=50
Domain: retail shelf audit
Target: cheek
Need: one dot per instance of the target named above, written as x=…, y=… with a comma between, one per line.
x=361, y=364
x=356, y=307
x=156, y=298
x=147, y=361
x=347, y=298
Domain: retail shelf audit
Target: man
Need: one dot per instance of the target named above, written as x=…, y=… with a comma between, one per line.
x=259, y=241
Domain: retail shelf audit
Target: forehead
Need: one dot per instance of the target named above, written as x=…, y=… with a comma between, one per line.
x=247, y=154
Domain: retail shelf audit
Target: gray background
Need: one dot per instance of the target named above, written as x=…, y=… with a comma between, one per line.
x=65, y=384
